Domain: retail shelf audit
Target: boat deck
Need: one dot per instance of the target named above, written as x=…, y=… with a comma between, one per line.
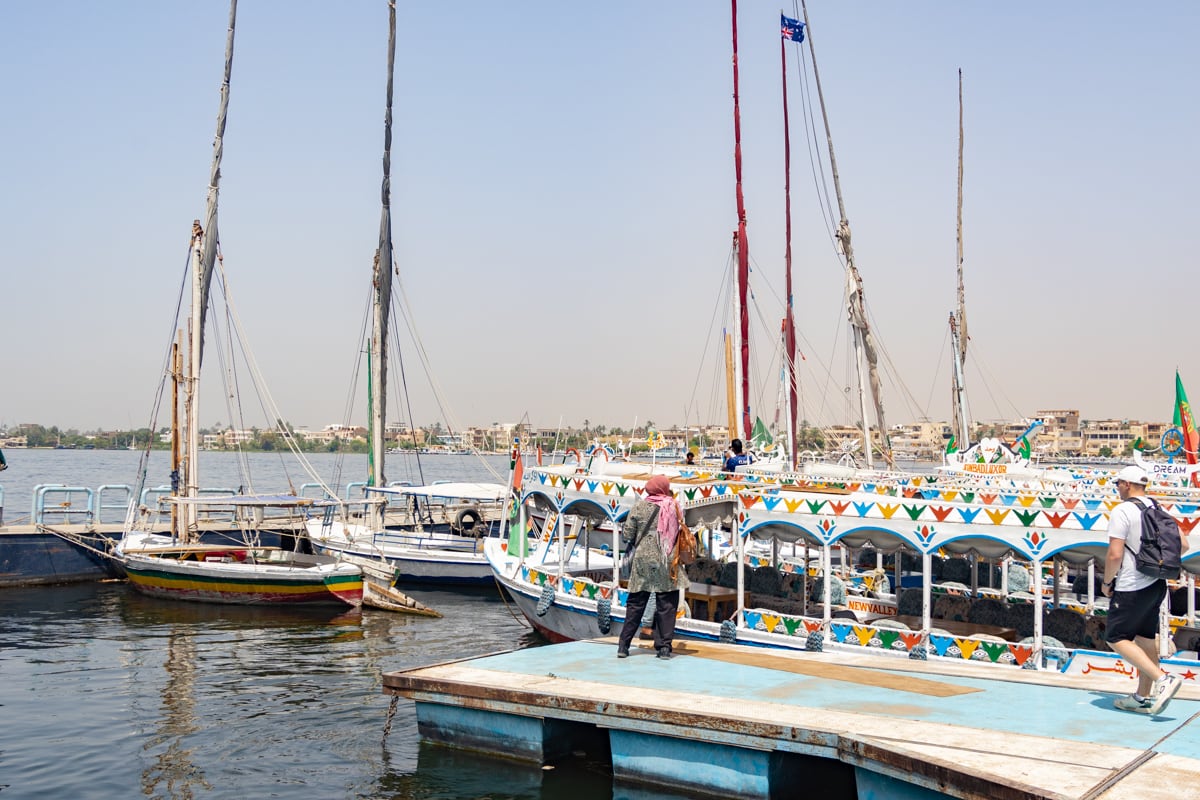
x=729, y=719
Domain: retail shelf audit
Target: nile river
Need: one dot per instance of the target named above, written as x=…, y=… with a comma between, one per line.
x=107, y=694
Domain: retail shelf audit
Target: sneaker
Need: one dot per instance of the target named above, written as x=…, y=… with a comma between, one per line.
x=622, y=652
x=1130, y=703
x=665, y=652
x=1164, y=689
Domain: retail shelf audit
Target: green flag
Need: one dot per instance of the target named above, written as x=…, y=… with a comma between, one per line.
x=518, y=542
x=760, y=437
x=1186, y=422
x=950, y=444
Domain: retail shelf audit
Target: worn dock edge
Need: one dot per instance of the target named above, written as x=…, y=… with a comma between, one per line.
x=703, y=742
x=504, y=722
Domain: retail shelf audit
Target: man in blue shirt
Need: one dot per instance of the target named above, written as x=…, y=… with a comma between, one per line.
x=736, y=457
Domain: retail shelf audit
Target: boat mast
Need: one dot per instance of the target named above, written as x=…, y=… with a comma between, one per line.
x=864, y=342
x=176, y=377
x=191, y=395
x=730, y=394
x=204, y=255
x=958, y=320
x=741, y=245
x=382, y=285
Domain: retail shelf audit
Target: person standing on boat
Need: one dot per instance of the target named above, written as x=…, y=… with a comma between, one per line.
x=650, y=531
x=735, y=457
x=1132, y=626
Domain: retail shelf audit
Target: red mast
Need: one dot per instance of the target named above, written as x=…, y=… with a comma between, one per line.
x=789, y=321
x=743, y=250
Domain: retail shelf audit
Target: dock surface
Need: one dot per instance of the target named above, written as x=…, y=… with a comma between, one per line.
x=908, y=728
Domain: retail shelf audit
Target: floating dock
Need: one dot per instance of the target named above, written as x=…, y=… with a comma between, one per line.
x=728, y=720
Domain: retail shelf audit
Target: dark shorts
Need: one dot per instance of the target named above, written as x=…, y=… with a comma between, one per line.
x=1133, y=614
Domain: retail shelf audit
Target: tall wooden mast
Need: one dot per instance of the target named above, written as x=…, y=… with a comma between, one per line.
x=741, y=243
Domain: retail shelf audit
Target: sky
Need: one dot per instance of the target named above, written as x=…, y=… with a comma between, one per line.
x=563, y=199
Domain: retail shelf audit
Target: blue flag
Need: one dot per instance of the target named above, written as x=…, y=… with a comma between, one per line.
x=792, y=28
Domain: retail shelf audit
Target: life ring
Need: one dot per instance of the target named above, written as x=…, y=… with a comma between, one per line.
x=467, y=519
x=1172, y=442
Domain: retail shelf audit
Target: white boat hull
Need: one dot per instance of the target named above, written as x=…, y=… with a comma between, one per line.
x=417, y=557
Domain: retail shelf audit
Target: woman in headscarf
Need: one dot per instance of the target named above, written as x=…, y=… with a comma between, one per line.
x=651, y=530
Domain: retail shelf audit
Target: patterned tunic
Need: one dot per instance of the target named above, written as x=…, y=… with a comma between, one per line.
x=650, y=570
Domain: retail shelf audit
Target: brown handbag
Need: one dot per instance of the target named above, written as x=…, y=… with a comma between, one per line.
x=686, y=548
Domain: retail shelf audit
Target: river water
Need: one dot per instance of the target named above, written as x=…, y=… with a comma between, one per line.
x=105, y=693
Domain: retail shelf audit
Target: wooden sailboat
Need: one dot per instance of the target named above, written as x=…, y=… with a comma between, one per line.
x=243, y=571
x=439, y=542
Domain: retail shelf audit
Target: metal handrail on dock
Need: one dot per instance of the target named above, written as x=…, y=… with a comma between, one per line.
x=122, y=506
x=66, y=507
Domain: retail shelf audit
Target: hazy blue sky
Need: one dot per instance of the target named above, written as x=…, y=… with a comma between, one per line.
x=564, y=199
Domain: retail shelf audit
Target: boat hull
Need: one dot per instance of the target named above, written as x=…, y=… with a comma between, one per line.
x=30, y=557
x=244, y=584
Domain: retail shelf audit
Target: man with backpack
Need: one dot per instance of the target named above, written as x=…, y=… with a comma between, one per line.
x=1143, y=550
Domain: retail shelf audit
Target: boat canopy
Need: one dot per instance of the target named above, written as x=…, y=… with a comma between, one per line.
x=253, y=500
x=457, y=490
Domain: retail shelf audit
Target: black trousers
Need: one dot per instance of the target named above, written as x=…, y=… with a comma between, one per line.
x=665, y=605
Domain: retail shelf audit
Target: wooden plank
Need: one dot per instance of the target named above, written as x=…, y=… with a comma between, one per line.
x=829, y=670
x=200, y=548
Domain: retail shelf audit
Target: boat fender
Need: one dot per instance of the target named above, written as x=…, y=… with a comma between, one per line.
x=728, y=632
x=604, y=614
x=546, y=600
x=815, y=641
x=467, y=519
x=920, y=652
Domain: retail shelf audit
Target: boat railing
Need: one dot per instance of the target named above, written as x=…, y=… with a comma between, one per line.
x=431, y=540
x=65, y=508
x=152, y=497
x=316, y=491
x=125, y=493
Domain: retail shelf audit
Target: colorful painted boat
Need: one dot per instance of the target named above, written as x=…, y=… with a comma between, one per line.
x=242, y=576
x=238, y=572
x=566, y=598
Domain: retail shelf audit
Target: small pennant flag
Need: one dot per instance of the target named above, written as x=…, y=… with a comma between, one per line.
x=950, y=444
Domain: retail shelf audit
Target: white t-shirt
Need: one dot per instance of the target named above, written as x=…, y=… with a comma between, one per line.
x=1125, y=522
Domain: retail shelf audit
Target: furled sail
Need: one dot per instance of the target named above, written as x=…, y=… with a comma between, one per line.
x=382, y=280
x=208, y=249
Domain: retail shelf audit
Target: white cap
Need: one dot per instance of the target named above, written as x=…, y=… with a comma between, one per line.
x=1132, y=474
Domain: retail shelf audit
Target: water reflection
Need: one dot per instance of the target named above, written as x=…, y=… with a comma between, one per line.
x=187, y=700
x=172, y=773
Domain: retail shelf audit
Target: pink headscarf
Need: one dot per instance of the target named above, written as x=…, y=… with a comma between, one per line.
x=658, y=492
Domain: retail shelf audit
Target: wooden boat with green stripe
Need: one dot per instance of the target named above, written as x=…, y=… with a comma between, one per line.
x=193, y=562
x=238, y=573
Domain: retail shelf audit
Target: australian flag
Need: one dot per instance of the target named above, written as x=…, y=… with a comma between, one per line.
x=792, y=28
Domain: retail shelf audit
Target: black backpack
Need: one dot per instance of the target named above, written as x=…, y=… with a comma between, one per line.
x=1160, y=554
